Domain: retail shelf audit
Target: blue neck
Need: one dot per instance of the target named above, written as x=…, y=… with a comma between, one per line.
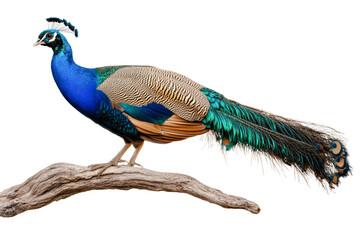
x=77, y=84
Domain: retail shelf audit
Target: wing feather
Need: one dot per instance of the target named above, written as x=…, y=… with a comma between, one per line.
x=140, y=86
x=173, y=129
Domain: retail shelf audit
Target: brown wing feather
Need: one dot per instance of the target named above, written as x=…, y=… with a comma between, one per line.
x=173, y=129
x=140, y=86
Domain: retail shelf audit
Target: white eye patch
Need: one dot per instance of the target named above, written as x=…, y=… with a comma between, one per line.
x=40, y=40
x=53, y=38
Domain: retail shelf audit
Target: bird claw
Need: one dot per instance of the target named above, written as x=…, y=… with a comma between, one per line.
x=104, y=166
x=130, y=164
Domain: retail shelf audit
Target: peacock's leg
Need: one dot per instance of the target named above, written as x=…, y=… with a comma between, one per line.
x=138, y=145
x=114, y=162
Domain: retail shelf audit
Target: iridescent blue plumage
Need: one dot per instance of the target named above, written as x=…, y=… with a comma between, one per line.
x=141, y=103
x=78, y=85
x=153, y=112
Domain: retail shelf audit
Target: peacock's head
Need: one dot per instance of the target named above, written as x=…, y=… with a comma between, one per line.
x=52, y=37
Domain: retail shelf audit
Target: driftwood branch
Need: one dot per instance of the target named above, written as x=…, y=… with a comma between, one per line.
x=61, y=180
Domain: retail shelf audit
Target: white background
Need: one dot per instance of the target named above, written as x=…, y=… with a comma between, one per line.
x=299, y=59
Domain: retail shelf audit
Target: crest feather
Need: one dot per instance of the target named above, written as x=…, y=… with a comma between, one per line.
x=62, y=25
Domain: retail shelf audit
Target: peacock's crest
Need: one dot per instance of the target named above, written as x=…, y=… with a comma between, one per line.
x=62, y=25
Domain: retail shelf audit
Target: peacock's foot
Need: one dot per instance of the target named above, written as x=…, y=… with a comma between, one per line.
x=133, y=164
x=104, y=166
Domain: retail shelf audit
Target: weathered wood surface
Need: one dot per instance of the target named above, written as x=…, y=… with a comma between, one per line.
x=62, y=180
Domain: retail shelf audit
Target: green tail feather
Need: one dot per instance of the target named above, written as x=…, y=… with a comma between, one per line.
x=289, y=141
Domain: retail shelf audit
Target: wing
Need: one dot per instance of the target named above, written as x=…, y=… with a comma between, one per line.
x=164, y=106
x=141, y=86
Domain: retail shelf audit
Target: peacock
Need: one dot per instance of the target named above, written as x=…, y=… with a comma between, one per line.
x=144, y=103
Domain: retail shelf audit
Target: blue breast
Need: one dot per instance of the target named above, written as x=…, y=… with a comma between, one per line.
x=78, y=85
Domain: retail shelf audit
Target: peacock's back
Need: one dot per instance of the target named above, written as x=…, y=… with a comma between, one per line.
x=140, y=86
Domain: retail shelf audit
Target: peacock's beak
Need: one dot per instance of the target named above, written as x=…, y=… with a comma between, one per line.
x=38, y=42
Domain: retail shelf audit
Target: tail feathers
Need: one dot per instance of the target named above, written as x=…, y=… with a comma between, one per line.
x=340, y=161
x=290, y=142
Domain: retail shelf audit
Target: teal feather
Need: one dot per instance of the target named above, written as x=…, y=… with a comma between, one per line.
x=104, y=72
x=285, y=140
x=253, y=115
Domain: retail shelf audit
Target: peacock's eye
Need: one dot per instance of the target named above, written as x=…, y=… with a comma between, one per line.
x=49, y=35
